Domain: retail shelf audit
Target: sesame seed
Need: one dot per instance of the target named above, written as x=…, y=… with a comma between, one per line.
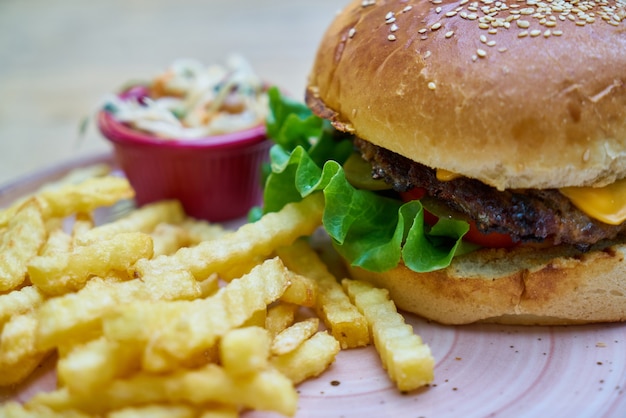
x=427, y=54
x=502, y=49
x=483, y=39
x=406, y=9
x=351, y=32
x=366, y=3
x=535, y=32
x=438, y=10
x=435, y=26
x=390, y=20
x=524, y=24
x=522, y=34
x=481, y=53
x=432, y=85
x=449, y=34
x=423, y=30
x=451, y=13
x=547, y=33
x=557, y=32
x=491, y=43
x=393, y=27
x=391, y=37
x=389, y=15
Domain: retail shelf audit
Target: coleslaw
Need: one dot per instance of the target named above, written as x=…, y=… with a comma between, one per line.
x=191, y=101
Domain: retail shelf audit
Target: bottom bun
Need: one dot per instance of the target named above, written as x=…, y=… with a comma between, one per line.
x=524, y=286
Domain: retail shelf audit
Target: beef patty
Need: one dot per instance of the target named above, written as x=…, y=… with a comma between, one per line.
x=528, y=215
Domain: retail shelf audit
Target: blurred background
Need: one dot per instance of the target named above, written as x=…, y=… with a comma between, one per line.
x=59, y=59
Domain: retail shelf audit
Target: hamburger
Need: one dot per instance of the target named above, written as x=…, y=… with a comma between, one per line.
x=492, y=135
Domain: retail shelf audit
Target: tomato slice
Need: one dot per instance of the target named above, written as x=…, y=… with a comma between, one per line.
x=491, y=240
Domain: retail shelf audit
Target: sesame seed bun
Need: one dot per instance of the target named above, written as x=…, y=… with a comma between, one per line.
x=514, y=94
x=520, y=97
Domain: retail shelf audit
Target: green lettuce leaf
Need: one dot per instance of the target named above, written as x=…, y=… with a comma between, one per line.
x=371, y=230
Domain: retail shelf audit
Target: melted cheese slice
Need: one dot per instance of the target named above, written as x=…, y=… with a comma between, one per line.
x=445, y=175
x=606, y=204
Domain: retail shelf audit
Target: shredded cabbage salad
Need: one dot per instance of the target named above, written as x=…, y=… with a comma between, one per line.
x=190, y=101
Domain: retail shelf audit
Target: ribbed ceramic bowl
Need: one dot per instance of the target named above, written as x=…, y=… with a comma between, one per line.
x=217, y=178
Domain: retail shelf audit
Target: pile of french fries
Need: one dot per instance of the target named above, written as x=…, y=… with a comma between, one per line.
x=158, y=314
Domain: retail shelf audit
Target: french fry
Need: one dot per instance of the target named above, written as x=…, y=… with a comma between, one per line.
x=292, y=337
x=254, y=239
x=199, y=230
x=407, y=359
x=19, y=355
x=220, y=412
x=279, y=317
x=309, y=359
x=75, y=176
x=17, y=410
x=144, y=219
x=268, y=390
x=58, y=242
x=168, y=238
x=244, y=351
x=19, y=301
x=332, y=305
x=155, y=411
x=88, y=368
x=83, y=223
x=302, y=291
x=61, y=273
x=25, y=235
x=84, y=197
x=179, y=330
x=78, y=316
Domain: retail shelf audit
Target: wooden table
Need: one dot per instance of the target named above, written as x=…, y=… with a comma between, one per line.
x=59, y=59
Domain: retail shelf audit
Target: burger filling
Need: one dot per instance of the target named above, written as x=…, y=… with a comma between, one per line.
x=437, y=218
x=526, y=215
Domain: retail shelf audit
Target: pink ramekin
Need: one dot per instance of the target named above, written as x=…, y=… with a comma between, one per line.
x=217, y=178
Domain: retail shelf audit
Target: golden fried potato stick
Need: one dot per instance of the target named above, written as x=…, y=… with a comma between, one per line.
x=73, y=177
x=280, y=316
x=220, y=412
x=407, y=359
x=268, y=390
x=58, y=242
x=144, y=219
x=19, y=301
x=243, y=351
x=24, y=236
x=19, y=355
x=61, y=273
x=78, y=316
x=83, y=222
x=302, y=291
x=156, y=411
x=260, y=238
x=15, y=409
x=200, y=230
x=84, y=197
x=309, y=359
x=333, y=306
x=292, y=337
x=87, y=368
x=175, y=331
x=59, y=202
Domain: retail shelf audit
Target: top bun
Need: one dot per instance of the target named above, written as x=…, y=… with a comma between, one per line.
x=517, y=94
